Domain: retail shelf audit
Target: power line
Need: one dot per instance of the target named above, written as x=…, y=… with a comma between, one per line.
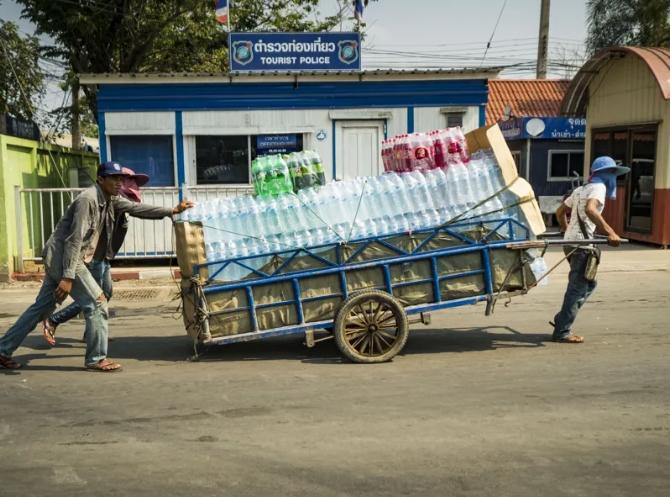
x=488, y=45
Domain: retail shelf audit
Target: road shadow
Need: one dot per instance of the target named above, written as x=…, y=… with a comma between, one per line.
x=26, y=359
x=423, y=341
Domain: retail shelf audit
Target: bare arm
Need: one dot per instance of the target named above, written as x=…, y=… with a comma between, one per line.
x=595, y=216
x=562, y=216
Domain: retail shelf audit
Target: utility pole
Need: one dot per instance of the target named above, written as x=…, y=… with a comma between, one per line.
x=543, y=41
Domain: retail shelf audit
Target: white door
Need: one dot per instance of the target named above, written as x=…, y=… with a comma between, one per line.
x=359, y=148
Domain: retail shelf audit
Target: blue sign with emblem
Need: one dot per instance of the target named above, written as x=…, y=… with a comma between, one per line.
x=546, y=128
x=294, y=52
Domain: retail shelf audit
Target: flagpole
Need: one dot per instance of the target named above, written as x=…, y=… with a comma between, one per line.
x=230, y=15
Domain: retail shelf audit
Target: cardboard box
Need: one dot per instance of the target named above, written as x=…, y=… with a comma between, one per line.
x=492, y=138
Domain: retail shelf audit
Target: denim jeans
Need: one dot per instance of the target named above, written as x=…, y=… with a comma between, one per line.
x=85, y=291
x=578, y=291
x=101, y=272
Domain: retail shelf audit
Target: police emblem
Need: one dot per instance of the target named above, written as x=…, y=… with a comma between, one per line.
x=243, y=52
x=348, y=52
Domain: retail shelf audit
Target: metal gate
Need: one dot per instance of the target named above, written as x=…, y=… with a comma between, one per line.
x=38, y=210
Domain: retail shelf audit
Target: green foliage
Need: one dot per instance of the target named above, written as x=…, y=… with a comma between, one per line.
x=131, y=36
x=628, y=22
x=21, y=79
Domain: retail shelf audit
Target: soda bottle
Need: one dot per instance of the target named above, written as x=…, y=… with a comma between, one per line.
x=439, y=148
x=421, y=147
x=317, y=167
x=294, y=170
x=258, y=175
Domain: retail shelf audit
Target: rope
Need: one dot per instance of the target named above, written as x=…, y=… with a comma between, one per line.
x=326, y=224
x=458, y=217
x=360, y=201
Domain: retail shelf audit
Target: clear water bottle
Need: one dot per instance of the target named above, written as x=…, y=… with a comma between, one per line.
x=539, y=268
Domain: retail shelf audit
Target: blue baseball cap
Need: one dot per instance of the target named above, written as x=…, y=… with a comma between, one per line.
x=111, y=168
x=605, y=163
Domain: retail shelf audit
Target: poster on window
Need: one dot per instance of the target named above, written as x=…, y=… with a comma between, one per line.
x=277, y=144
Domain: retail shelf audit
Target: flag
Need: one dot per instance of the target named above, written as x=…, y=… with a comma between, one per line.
x=222, y=11
x=359, y=6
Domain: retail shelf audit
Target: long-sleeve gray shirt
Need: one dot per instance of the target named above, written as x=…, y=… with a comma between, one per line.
x=108, y=246
x=75, y=233
x=78, y=231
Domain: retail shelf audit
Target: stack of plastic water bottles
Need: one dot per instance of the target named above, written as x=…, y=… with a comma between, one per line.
x=352, y=209
x=424, y=151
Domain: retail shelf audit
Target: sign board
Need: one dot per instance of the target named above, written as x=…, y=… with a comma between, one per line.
x=277, y=144
x=546, y=128
x=258, y=52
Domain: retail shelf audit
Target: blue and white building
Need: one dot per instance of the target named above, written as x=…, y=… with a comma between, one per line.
x=204, y=130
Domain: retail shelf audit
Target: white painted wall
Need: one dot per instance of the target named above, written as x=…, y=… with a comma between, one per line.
x=139, y=123
x=430, y=118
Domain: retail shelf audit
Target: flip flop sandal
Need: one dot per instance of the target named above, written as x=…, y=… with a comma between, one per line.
x=569, y=339
x=49, y=332
x=104, y=366
x=9, y=363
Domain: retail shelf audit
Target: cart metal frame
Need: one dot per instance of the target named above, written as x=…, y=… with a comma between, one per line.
x=500, y=234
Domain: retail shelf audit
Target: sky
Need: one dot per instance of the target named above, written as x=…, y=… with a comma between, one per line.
x=439, y=33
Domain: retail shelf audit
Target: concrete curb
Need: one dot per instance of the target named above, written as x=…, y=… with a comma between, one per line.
x=117, y=274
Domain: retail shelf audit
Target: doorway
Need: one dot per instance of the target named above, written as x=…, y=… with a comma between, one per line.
x=634, y=147
x=358, y=148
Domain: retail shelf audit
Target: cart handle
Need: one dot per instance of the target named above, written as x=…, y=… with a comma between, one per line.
x=544, y=243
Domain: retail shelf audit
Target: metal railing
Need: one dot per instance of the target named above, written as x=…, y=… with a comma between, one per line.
x=38, y=210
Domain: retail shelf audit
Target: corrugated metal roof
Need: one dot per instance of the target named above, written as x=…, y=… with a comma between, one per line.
x=239, y=76
x=657, y=60
x=526, y=97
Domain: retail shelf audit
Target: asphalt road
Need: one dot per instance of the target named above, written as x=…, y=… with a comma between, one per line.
x=475, y=406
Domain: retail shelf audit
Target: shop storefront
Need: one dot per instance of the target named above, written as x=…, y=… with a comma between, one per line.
x=625, y=94
x=549, y=152
x=204, y=130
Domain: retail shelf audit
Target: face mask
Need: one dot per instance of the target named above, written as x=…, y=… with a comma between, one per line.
x=609, y=180
x=130, y=190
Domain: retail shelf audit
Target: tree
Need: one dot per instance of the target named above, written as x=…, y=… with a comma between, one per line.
x=628, y=22
x=21, y=79
x=129, y=36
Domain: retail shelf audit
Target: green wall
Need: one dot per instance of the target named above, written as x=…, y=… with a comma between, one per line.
x=31, y=164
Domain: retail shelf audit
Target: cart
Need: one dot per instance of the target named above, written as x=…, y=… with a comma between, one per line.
x=363, y=294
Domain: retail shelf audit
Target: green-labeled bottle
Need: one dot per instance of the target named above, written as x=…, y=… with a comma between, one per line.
x=258, y=173
x=317, y=168
x=281, y=176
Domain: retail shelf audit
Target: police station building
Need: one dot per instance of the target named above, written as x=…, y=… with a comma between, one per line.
x=285, y=92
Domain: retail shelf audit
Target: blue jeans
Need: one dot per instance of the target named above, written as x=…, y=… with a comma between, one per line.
x=85, y=292
x=101, y=272
x=578, y=291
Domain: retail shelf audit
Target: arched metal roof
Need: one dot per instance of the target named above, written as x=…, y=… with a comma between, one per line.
x=656, y=59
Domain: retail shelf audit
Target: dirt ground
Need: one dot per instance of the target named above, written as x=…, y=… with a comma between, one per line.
x=475, y=406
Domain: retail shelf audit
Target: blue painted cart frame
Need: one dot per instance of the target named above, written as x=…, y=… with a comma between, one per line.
x=499, y=235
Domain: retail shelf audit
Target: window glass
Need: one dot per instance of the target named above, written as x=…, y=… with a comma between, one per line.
x=641, y=191
x=576, y=164
x=151, y=155
x=564, y=164
x=222, y=159
x=559, y=165
x=454, y=119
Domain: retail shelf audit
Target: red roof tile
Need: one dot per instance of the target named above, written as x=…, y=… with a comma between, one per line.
x=526, y=97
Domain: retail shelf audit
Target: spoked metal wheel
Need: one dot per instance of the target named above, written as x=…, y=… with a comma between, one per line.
x=371, y=327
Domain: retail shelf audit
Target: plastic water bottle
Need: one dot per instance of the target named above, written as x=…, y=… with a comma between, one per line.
x=439, y=148
x=539, y=268
x=421, y=152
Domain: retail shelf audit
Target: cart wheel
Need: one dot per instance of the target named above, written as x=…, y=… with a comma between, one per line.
x=371, y=327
